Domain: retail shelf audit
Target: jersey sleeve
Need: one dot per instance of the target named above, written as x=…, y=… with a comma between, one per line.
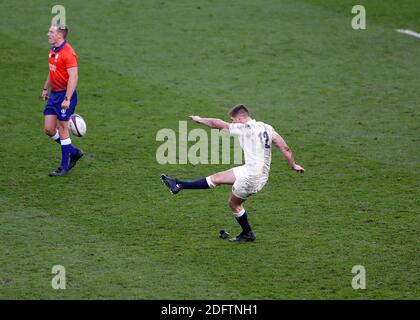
x=271, y=133
x=70, y=59
x=274, y=133
x=236, y=129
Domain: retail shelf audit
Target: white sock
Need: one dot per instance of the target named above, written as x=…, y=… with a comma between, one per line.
x=210, y=183
x=65, y=142
x=56, y=136
x=240, y=213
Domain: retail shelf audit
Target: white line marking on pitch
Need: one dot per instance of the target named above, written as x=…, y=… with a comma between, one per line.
x=409, y=32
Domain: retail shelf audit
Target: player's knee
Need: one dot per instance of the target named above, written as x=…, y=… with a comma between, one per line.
x=50, y=131
x=234, y=206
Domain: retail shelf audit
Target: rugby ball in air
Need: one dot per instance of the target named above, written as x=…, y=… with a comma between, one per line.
x=77, y=125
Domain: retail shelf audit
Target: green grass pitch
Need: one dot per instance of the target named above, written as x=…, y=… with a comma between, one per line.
x=346, y=101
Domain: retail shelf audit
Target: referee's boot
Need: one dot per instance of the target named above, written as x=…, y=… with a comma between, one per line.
x=244, y=237
x=172, y=184
x=58, y=172
x=75, y=158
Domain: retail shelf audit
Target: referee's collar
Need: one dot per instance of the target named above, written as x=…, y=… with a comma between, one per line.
x=56, y=49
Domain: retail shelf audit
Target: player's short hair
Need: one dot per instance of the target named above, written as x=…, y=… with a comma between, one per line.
x=239, y=110
x=61, y=28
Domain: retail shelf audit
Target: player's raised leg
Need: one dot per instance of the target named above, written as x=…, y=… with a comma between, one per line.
x=238, y=210
x=175, y=185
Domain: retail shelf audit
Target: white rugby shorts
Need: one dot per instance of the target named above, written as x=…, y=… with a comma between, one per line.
x=246, y=183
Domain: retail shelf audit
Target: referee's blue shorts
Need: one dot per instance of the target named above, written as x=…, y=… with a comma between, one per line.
x=53, y=106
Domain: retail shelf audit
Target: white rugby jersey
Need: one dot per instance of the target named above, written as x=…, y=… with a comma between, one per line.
x=255, y=138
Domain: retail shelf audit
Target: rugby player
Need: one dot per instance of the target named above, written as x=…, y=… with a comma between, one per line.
x=256, y=139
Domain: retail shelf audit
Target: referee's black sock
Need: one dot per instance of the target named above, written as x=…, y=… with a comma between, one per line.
x=243, y=221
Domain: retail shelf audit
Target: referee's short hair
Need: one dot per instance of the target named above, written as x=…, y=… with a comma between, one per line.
x=239, y=110
x=61, y=28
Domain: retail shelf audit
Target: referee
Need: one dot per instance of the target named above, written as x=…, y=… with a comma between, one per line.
x=62, y=99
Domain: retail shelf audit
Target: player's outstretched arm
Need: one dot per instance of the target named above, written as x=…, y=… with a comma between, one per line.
x=211, y=122
x=279, y=142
